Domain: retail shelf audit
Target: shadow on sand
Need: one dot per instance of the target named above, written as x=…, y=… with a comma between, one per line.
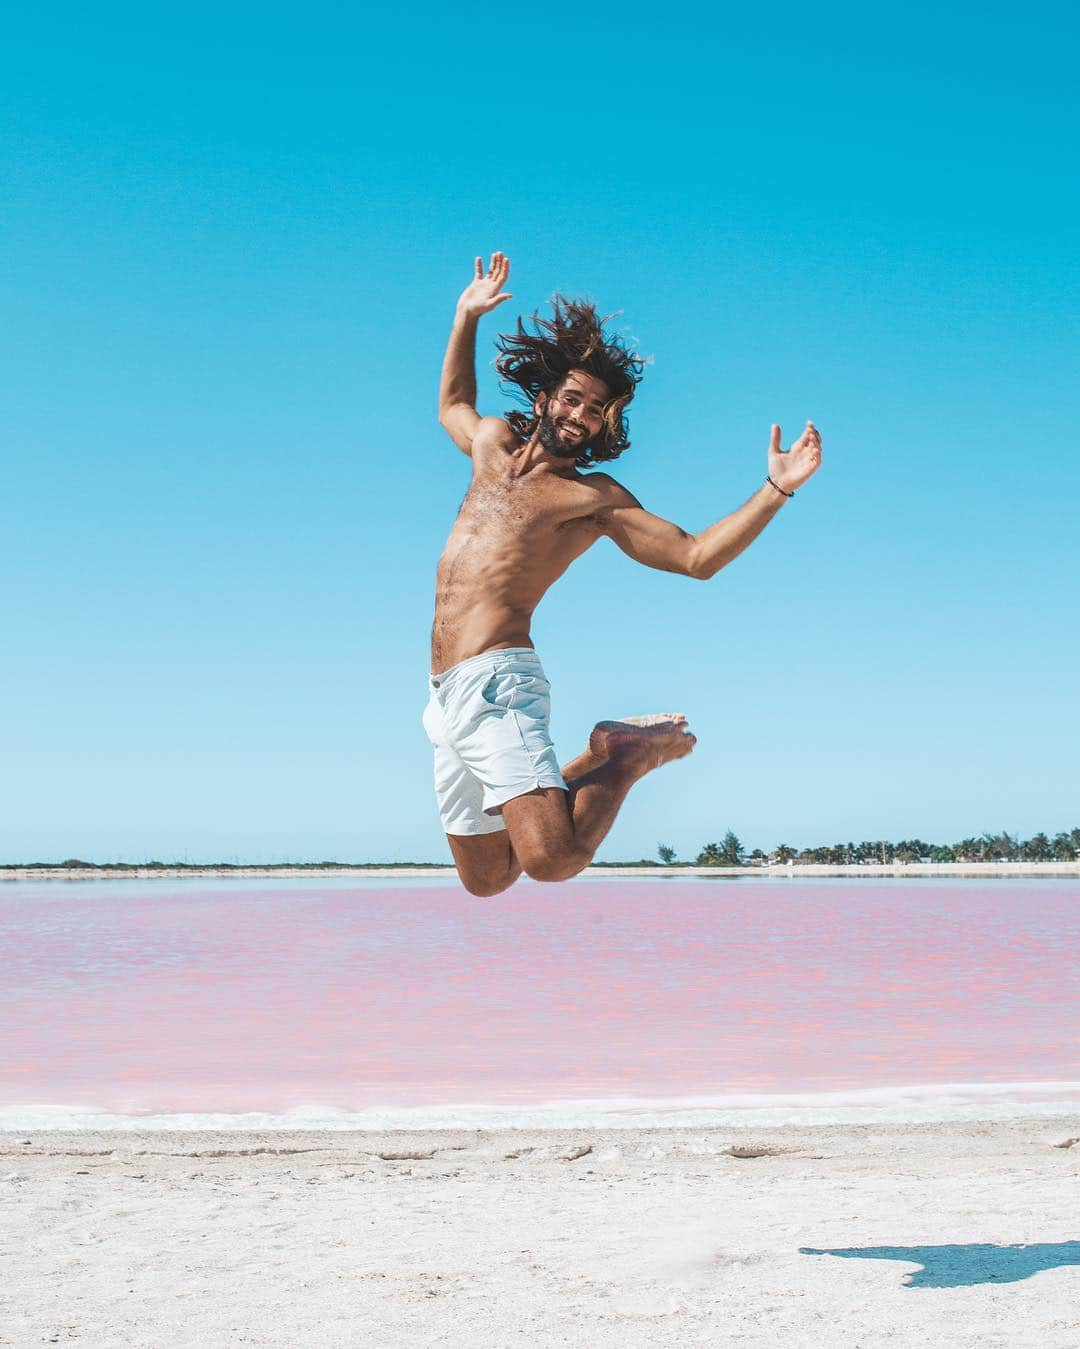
x=962, y=1266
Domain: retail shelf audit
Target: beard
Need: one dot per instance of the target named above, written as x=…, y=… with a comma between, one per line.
x=554, y=444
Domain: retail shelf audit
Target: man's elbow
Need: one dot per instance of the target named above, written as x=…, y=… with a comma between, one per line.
x=702, y=568
x=696, y=565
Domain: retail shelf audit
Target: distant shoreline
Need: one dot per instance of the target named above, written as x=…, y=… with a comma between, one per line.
x=390, y=871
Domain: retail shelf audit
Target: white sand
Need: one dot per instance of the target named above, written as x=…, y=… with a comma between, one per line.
x=505, y=1238
x=789, y=871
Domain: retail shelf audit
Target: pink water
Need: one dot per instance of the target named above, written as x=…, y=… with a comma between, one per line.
x=239, y=996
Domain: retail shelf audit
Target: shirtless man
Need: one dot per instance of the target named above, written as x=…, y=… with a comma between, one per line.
x=505, y=804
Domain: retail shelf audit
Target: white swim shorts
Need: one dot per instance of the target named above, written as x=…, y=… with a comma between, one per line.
x=488, y=721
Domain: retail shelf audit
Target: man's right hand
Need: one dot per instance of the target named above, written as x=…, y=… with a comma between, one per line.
x=484, y=293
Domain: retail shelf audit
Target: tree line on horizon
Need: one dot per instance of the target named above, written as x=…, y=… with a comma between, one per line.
x=1003, y=847
x=728, y=852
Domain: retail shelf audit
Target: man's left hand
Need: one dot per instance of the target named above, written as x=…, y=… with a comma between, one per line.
x=789, y=469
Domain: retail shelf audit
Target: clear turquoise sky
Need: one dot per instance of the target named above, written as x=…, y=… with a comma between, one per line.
x=231, y=245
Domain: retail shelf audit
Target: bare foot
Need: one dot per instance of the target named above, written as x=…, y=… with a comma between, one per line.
x=650, y=740
x=597, y=752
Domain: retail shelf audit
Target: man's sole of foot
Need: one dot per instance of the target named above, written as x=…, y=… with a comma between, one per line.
x=662, y=734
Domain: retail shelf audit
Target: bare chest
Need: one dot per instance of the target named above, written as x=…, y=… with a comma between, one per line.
x=516, y=505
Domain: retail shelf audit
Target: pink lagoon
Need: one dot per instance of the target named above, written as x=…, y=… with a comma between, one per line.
x=668, y=998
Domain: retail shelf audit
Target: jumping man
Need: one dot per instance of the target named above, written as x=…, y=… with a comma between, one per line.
x=505, y=804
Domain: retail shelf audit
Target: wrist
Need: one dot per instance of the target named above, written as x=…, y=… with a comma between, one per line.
x=779, y=489
x=463, y=314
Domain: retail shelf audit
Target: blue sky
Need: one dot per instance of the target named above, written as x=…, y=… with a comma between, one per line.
x=231, y=249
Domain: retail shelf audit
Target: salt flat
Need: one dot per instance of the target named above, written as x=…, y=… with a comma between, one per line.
x=959, y=1234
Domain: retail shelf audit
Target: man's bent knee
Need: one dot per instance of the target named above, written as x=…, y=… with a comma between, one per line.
x=484, y=889
x=485, y=863
x=542, y=833
x=546, y=867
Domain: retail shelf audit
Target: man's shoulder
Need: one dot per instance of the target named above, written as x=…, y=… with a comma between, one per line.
x=493, y=433
x=608, y=492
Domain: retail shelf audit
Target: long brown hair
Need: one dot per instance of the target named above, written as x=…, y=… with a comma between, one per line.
x=538, y=361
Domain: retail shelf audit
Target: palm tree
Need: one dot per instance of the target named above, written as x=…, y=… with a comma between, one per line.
x=666, y=854
x=1063, y=847
x=911, y=849
x=1036, y=849
x=783, y=854
x=999, y=847
x=710, y=856
x=733, y=851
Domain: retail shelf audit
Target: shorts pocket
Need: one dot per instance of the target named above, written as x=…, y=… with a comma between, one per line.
x=510, y=690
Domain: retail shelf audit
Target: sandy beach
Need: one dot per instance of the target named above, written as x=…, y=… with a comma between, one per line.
x=794, y=871
x=958, y=1234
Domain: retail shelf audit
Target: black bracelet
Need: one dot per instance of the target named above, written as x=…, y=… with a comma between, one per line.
x=768, y=479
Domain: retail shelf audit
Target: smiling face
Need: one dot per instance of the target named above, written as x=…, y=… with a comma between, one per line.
x=573, y=416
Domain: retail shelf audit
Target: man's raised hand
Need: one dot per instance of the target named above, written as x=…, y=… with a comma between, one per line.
x=484, y=292
x=791, y=468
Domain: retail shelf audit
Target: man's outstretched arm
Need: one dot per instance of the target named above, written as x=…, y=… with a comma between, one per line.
x=658, y=543
x=457, y=388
